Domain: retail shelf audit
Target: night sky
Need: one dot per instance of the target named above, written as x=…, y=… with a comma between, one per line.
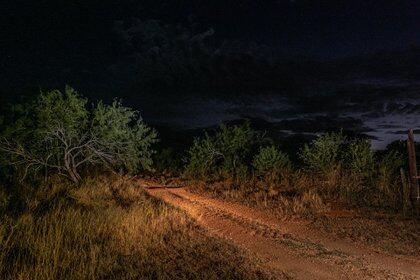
x=41, y=38
x=321, y=28
x=355, y=63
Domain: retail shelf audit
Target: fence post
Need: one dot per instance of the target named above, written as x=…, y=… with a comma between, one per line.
x=412, y=171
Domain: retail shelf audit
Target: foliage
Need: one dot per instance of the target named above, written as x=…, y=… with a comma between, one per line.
x=388, y=180
x=361, y=158
x=168, y=159
x=335, y=168
x=227, y=153
x=202, y=157
x=58, y=132
x=270, y=160
x=324, y=152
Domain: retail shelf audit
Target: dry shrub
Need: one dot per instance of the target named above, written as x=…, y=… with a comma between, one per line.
x=309, y=205
x=281, y=199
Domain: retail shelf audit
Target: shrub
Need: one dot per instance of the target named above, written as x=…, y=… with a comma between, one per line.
x=236, y=144
x=389, y=179
x=270, y=161
x=371, y=182
x=308, y=205
x=226, y=153
x=324, y=152
x=202, y=157
x=58, y=132
x=360, y=158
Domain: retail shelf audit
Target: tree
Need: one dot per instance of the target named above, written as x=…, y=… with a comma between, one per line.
x=58, y=132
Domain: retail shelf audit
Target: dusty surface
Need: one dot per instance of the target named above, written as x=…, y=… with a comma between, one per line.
x=287, y=247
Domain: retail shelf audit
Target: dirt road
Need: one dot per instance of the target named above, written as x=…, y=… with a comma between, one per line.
x=287, y=247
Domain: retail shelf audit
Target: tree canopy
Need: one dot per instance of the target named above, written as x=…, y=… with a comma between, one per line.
x=59, y=132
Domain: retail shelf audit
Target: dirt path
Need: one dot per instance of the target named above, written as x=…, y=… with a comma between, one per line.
x=287, y=247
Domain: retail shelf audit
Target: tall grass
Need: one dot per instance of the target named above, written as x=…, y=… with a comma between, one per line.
x=110, y=229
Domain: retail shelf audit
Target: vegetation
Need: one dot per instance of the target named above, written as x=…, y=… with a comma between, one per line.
x=59, y=133
x=62, y=223
x=227, y=153
x=108, y=228
x=340, y=183
x=333, y=168
x=324, y=153
x=70, y=223
x=361, y=158
x=270, y=161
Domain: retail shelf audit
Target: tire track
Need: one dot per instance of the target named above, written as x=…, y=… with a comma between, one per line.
x=284, y=246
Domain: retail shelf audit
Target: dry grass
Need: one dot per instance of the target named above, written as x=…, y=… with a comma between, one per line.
x=110, y=229
x=304, y=192
x=388, y=233
x=318, y=197
x=283, y=200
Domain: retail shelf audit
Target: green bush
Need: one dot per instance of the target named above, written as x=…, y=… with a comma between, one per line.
x=388, y=181
x=324, y=152
x=270, y=161
x=226, y=153
x=202, y=157
x=360, y=158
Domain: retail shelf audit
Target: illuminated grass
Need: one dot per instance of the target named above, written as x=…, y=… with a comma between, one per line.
x=110, y=229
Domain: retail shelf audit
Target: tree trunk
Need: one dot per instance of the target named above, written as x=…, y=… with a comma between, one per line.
x=71, y=170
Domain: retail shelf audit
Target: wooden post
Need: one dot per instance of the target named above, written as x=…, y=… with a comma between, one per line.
x=412, y=171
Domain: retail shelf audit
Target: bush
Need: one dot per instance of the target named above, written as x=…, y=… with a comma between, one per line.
x=226, y=153
x=389, y=180
x=308, y=205
x=324, y=153
x=202, y=157
x=360, y=158
x=59, y=133
x=270, y=161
